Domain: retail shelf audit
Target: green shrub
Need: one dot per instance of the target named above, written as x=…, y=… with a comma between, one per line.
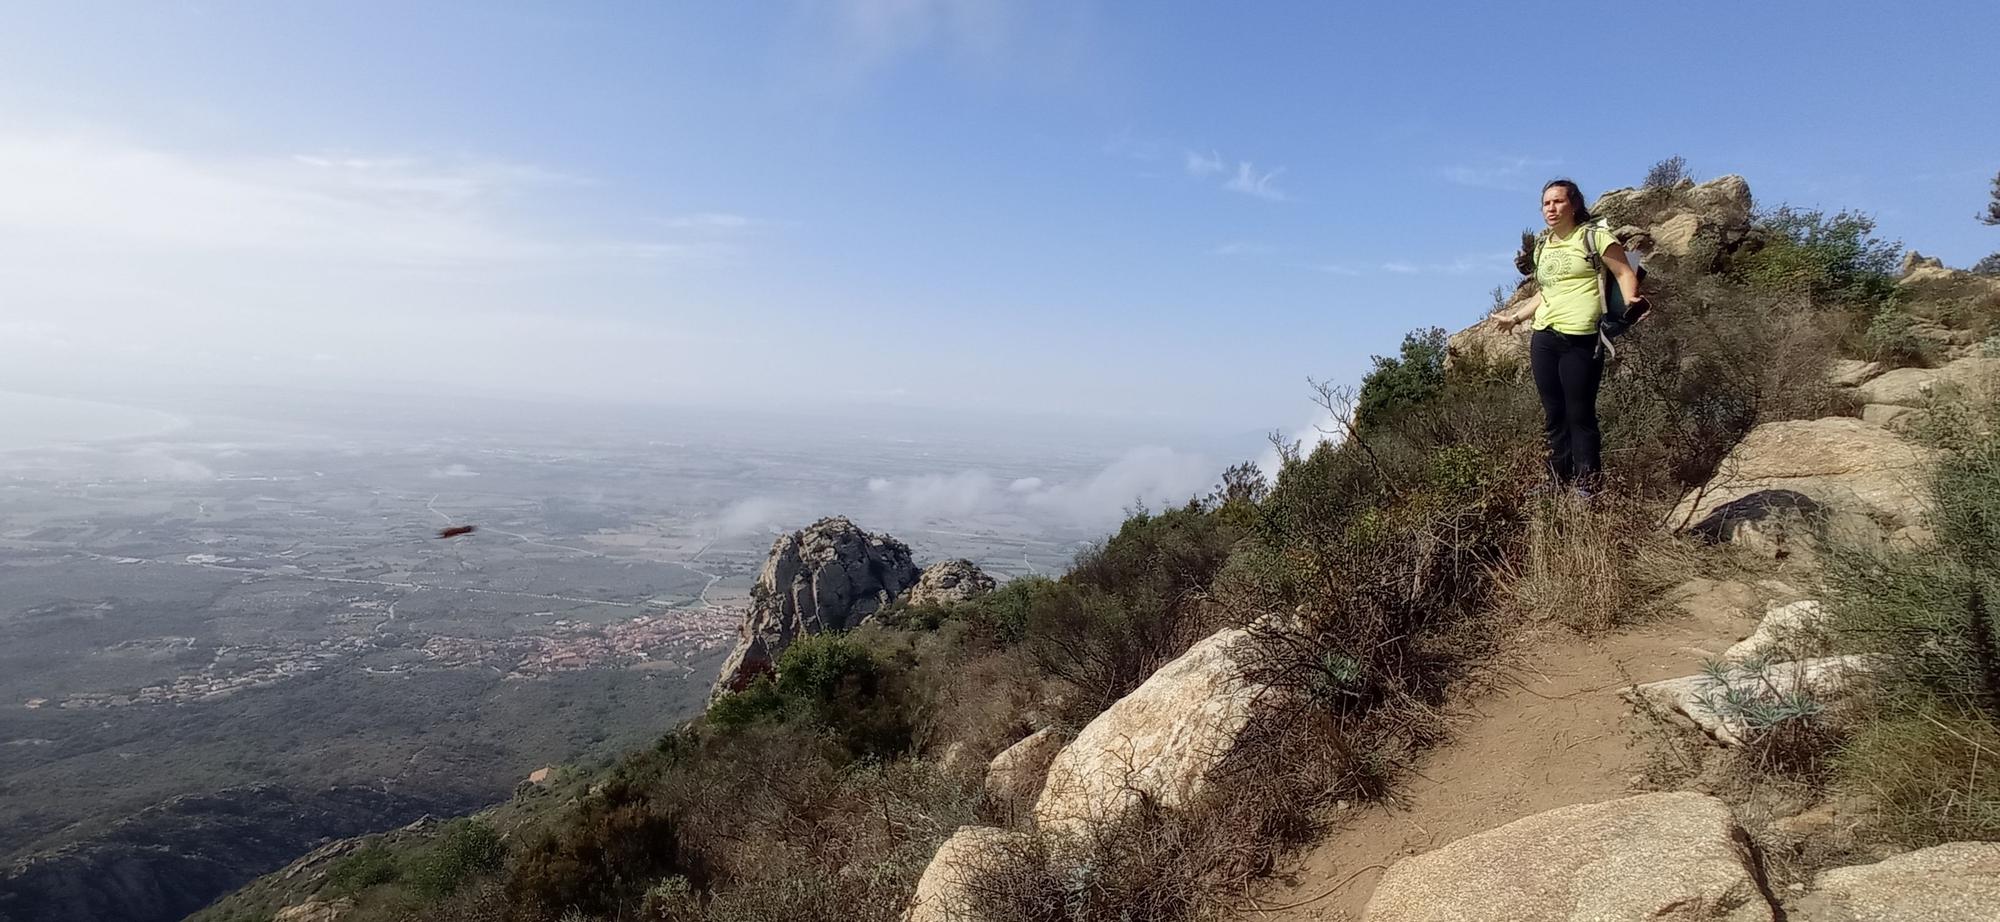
x=1827, y=258
x=1892, y=337
x=599, y=861
x=1130, y=604
x=832, y=682
x=466, y=848
x=1930, y=726
x=1414, y=377
x=366, y=867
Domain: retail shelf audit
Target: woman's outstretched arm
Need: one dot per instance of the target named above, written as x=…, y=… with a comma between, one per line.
x=1526, y=312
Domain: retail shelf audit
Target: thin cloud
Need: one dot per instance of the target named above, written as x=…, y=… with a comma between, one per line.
x=1336, y=269
x=1241, y=248
x=110, y=195
x=1259, y=184
x=1156, y=476
x=711, y=220
x=1511, y=174
x=1203, y=165
x=1472, y=262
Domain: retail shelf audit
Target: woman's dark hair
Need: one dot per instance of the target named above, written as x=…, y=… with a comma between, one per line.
x=1575, y=198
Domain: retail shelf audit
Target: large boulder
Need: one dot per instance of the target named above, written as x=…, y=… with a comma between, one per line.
x=1834, y=471
x=1015, y=776
x=829, y=576
x=1724, y=200
x=1678, y=857
x=1784, y=629
x=949, y=582
x=943, y=893
x=1916, y=387
x=1852, y=372
x=1161, y=742
x=1959, y=882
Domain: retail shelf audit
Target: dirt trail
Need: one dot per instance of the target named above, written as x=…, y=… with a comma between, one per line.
x=1556, y=732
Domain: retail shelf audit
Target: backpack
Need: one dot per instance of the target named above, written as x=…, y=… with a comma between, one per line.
x=1616, y=319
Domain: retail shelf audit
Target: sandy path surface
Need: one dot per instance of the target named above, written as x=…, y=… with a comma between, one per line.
x=1555, y=732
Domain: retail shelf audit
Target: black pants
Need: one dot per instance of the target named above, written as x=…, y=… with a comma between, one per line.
x=1567, y=371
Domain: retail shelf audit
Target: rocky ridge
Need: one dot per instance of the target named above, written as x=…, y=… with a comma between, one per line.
x=834, y=576
x=222, y=840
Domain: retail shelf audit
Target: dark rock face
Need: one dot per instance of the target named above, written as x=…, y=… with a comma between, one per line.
x=176, y=857
x=829, y=576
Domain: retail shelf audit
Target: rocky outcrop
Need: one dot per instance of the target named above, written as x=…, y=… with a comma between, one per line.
x=943, y=892
x=1677, y=856
x=949, y=582
x=1701, y=222
x=1959, y=882
x=1917, y=387
x=172, y=859
x=1485, y=343
x=1784, y=627
x=1793, y=479
x=1015, y=775
x=1159, y=743
x=829, y=576
x=1715, y=702
x=1852, y=372
x=315, y=911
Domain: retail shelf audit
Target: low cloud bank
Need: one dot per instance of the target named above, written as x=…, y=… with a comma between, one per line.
x=1153, y=476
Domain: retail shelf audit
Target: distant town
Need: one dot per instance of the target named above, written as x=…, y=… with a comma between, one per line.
x=647, y=641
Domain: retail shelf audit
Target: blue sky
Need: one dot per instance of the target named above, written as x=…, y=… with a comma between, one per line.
x=1166, y=213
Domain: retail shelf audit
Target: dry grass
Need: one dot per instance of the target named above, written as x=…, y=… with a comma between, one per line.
x=1594, y=564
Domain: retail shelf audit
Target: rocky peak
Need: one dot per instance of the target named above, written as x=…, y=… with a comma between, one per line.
x=1703, y=223
x=949, y=582
x=829, y=576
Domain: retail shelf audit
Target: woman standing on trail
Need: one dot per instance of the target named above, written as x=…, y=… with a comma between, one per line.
x=1564, y=353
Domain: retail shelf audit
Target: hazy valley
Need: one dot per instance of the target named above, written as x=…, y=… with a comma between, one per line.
x=250, y=600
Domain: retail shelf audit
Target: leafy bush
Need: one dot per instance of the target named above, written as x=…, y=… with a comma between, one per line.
x=598, y=861
x=1932, y=715
x=366, y=867
x=829, y=681
x=1130, y=604
x=466, y=848
x=1892, y=337
x=1987, y=265
x=1825, y=258
x=1414, y=377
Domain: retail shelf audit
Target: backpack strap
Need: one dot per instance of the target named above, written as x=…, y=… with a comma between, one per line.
x=1590, y=246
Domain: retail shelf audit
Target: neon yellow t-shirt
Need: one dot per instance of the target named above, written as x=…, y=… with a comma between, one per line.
x=1572, y=302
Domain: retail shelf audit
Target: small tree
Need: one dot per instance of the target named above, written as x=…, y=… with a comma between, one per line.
x=1241, y=483
x=1412, y=378
x=1667, y=173
x=1992, y=215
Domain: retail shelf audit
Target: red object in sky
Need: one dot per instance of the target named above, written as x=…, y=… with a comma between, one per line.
x=457, y=530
